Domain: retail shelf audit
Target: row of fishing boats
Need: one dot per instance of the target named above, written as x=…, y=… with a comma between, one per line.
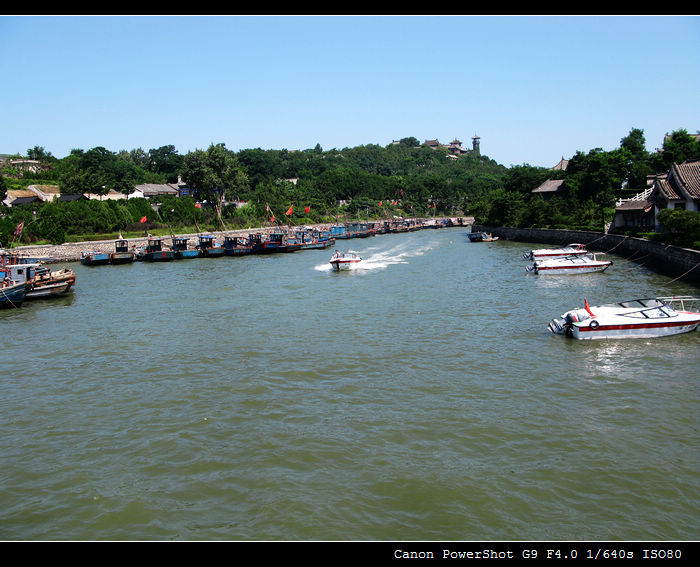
x=156, y=250
x=303, y=238
x=23, y=278
x=646, y=317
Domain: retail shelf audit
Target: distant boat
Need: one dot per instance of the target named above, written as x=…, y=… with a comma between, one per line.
x=344, y=260
x=237, y=246
x=94, y=257
x=482, y=237
x=275, y=242
x=154, y=251
x=208, y=248
x=121, y=254
x=180, y=250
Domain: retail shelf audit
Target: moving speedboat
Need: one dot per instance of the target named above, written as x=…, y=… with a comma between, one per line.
x=638, y=318
x=551, y=253
x=344, y=260
x=570, y=265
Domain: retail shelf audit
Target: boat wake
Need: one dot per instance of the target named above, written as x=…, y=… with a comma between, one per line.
x=373, y=259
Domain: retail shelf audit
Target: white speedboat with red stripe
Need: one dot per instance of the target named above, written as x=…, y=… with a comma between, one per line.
x=344, y=260
x=570, y=265
x=551, y=253
x=639, y=318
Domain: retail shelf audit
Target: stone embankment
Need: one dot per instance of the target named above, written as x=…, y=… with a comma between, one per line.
x=680, y=263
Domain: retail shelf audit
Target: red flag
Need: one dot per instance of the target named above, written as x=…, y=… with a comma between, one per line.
x=18, y=229
x=307, y=209
x=272, y=219
x=588, y=307
x=143, y=219
x=289, y=211
x=198, y=205
x=380, y=203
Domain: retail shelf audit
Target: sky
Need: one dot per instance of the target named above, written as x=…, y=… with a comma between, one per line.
x=534, y=89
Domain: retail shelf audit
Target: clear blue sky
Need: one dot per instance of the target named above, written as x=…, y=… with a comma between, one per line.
x=532, y=88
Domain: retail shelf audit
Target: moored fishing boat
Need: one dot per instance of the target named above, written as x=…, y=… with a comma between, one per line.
x=94, y=258
x=268, y=244
x=208, y=247
x=154, y=251
x=11, y=293
x=180, y=250
x=237, y=246
x=553, y=253
x=40, y=281
x=344, y=261
x=121, y=254
x=570, y=265
x=638, y=318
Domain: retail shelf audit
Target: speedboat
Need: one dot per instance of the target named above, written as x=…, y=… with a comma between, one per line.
x=344, y=260
x=551, y=253
x=570, y=265
x=638, y=318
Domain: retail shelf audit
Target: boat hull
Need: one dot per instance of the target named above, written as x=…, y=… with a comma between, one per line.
x=12, y=295
x=568, y=270
x=633, y=331
x=94, y=259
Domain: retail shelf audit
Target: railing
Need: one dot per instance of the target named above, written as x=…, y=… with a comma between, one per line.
x=638, y=197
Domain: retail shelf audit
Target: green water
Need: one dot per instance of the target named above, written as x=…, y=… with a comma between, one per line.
x=420, y=397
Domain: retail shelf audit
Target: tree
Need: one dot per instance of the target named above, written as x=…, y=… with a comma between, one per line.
x=214, y=174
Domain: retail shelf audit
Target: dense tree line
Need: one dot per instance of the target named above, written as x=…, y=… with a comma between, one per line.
x=254, y=186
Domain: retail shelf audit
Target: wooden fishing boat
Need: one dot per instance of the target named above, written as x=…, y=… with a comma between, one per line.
x=94, y=258
x=154, y=251
x=11, y=293
x=180, y=250
x=237, y=246
x=40, y=281
x=208, y=248
x=121, y=254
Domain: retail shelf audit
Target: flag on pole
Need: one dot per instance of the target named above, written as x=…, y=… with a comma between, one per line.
x=143, y=220
x=18, y=229
x=307, y=209
x=289, y=210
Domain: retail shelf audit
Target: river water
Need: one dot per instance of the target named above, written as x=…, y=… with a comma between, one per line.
x=420, y=397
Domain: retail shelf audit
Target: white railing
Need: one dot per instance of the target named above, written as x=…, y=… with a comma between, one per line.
x=638, y=197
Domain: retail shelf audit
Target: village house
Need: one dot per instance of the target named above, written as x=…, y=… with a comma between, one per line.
x=679, y=188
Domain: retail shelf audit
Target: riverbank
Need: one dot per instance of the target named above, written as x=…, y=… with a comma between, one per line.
x=70, y=251
x=681, y=263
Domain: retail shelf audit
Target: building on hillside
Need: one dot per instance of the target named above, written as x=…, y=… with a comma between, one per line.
x=455, y=147
x=562, y=165
x=16, y=197
x=679, y=188
x=550, y=188
x=111, y=195
x=149, y=190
